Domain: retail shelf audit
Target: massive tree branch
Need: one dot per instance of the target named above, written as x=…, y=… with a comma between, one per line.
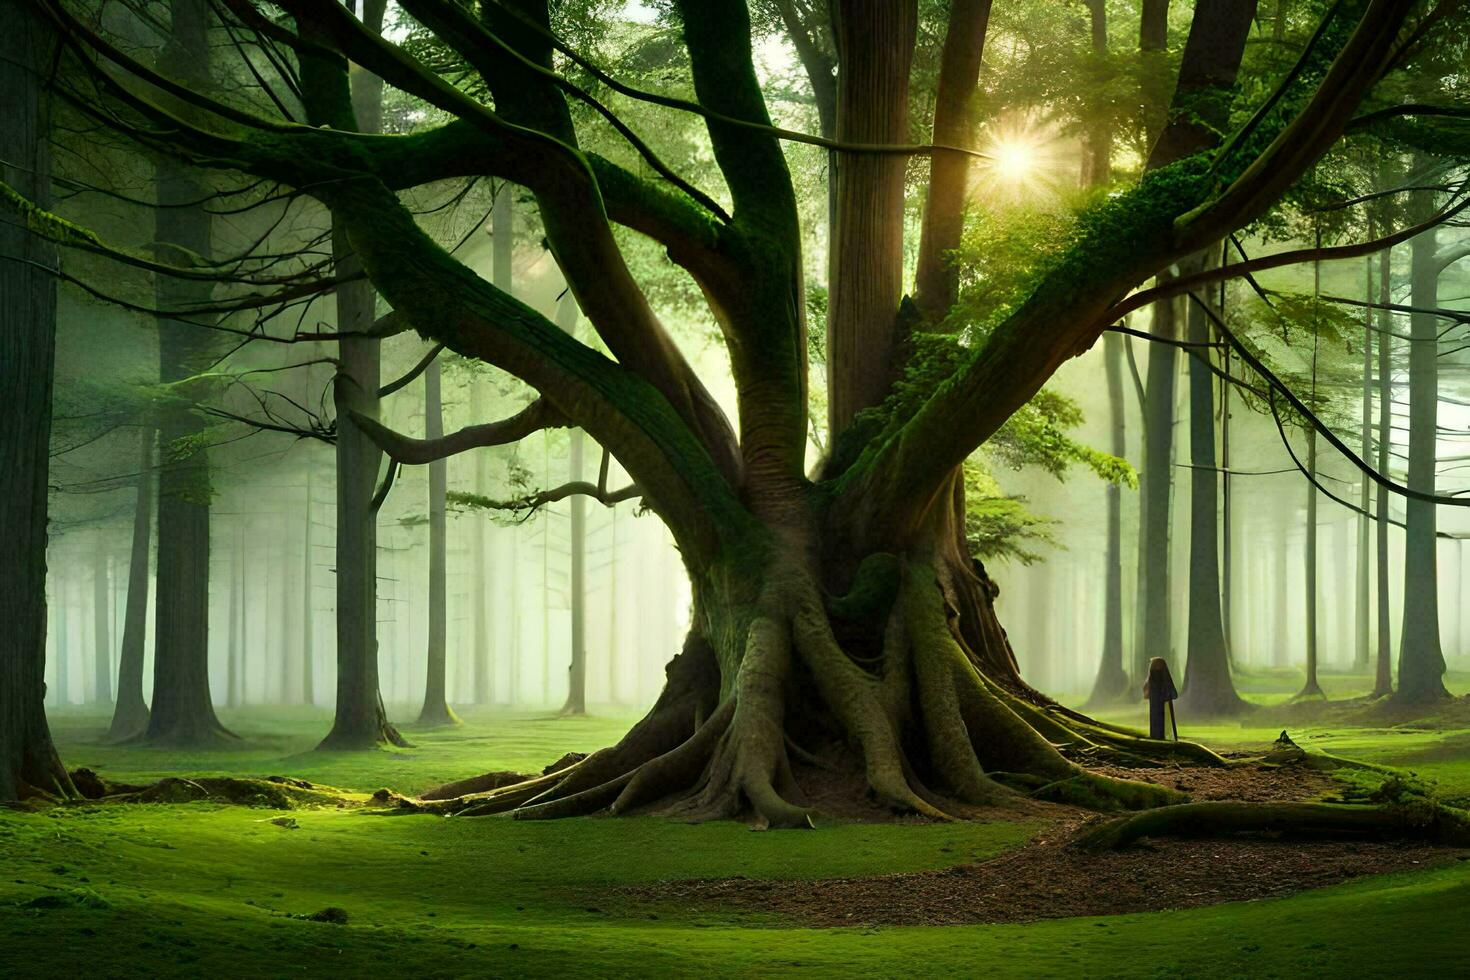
x=572, y=213
x=618, y=407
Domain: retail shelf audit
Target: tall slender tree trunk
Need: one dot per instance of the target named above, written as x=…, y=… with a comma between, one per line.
x=1208, y=688
x=130, y=715
x=1155, y=586
x=234, y=666
x=1227, y=511
x=436, y=710
x=1421, y=660
x=1112, y=683
x=28, y=760
x=1097, y=143
x=576, y=703
x=308, y=624
x=1383, y=673
x=359, y=721
x=1153, y=44
x=182, y=711
x=502, y=254
x=1310, y=688
x=101, y=625
x=481, y=571
x=287, y=676
x=63, y=640
x=1212, y=55
x=1362, y=617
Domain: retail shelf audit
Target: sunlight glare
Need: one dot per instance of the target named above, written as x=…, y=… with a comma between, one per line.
x=1014, y=160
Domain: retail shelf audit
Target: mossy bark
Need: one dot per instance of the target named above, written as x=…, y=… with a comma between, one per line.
x=892, y=667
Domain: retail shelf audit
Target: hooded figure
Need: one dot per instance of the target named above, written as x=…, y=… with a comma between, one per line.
x=1159, y=689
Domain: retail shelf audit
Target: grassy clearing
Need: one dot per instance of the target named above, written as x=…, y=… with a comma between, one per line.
x=203, y=889
x=281, y=741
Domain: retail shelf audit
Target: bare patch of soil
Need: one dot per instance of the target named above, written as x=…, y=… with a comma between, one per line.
x=1248, y=783
x=1049, y=879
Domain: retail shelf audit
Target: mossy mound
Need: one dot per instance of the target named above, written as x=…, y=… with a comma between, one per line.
x=272, y=792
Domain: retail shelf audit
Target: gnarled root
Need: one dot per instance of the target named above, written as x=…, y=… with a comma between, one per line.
x=1432, y=823
x=935, y=735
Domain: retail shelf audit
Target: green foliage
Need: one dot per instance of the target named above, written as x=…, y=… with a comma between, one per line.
x=1000, y=526
x=1036, y=435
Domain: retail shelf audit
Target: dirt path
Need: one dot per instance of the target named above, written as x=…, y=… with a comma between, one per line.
x=1049, y=878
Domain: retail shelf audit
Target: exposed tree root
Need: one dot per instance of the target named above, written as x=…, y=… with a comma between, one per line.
x=930, y=731
x=1436, y=824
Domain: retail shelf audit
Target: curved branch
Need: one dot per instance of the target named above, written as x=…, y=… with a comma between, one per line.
x=533, y=502
x=423, y=365
x=415, y=452
x=574, y=218
x=1185, y=284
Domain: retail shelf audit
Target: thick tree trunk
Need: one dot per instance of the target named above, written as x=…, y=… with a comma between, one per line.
x=130, y=716
x=1112, y=684
x=101, y=626
x=28, y=760
x=875, y=43
x=783, y=680
x=1208, y=689
x=436, y=710
x=182, y=711
x=1421, y=660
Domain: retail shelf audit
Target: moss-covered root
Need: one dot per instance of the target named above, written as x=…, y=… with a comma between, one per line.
x=1428, y=822
x=1092, y=791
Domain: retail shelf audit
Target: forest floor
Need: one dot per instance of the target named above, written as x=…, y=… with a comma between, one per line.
x=210, y=889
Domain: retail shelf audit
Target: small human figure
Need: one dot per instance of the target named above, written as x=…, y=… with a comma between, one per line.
x=1159, y=690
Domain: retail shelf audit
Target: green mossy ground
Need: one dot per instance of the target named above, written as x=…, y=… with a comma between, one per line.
x=207, y=889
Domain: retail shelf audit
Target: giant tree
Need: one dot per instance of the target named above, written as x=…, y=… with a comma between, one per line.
x=28, y=760
x=836, y=614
